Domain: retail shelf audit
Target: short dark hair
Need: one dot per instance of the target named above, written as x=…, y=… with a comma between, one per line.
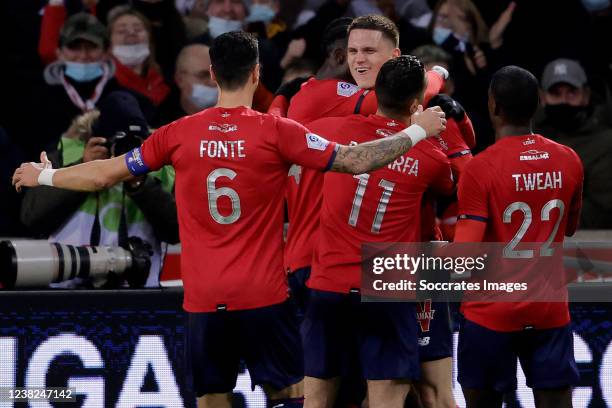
x=233, y=56
x=399, y=81
x=335, y=35
x=516, y=94
x=377, y=23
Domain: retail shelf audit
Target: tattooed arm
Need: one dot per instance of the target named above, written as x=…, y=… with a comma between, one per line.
x=373, y=155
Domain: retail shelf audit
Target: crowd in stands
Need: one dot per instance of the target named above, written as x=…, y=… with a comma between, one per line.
x=63, y=59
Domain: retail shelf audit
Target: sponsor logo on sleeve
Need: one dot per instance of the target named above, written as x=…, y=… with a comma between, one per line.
x=345, y=89
x=530, y=155
x=316, y=142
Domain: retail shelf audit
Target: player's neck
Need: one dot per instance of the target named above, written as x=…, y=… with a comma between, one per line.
x=234, y=99
x=512, y=130
x=397, y=117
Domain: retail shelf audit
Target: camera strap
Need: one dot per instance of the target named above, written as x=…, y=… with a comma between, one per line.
x=90, y=103
x=123, y=230
x=94, y=238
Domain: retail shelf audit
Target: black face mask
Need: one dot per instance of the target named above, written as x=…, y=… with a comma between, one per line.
x=566, y=117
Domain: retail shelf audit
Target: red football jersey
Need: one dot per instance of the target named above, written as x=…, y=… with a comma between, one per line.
x=321, y=99
x=453, y=143
x=382, y=206
x=527, y=189
x=231, y=170
x=324, y=98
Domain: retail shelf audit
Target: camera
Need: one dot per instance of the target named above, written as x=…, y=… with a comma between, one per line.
x=122, y=142
x=38, y=263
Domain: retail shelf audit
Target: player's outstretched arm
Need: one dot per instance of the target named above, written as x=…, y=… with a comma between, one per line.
x=91, y=176
x=373, y=155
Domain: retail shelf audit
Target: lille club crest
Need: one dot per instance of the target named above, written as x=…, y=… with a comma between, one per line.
x=425, y=314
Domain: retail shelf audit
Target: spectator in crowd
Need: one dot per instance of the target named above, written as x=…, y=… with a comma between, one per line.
x=458, y=27
x=195, y=90
x=82, y=75
x=54, y=16
x=144, y=207
x=571, y=118
x=224, y=16
x=133, y=54
x=169, y=33
x=432, y=55
x=313, y=29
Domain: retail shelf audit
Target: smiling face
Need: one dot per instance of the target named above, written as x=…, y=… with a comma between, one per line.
x=227, y=9
x=367, y=51
x=81, y=51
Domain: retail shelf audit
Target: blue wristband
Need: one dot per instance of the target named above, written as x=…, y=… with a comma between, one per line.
x=135, y=162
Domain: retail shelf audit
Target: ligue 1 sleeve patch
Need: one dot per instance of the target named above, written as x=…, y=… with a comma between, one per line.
x=135, y=162
x=346, y=89
x=316, y=142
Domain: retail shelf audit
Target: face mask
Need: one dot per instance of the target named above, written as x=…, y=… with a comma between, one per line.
x=218, y=26
x=595, y=5
x=204, y=96
x=131, y=55
x=440, y=34
x=83, y=72
x=564, y=116
x=261, y=12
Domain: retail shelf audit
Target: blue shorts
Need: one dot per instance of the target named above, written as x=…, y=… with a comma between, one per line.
x=488, y=358
x=299, y=291
x=434, y=330
x=341, y=336
x=266, y=338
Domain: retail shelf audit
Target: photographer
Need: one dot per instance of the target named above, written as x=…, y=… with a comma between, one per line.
x=143, y=207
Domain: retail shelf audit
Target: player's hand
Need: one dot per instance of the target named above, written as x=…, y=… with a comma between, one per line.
x=27, y=174
x=433, y=120
x=451, y=107
x=95, y=149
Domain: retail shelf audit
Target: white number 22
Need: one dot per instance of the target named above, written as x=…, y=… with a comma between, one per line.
x=545, y=250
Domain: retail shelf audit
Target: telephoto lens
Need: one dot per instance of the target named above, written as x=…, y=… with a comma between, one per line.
x=38, y=263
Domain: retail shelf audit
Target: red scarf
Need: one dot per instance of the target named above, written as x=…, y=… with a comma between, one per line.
x=152, y=85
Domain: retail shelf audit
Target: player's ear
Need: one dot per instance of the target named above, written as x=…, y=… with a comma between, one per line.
x=396, y=52
x=212, y=74
x=493, y=109
x=256, y=73
x=414, y=105
x=340, y=56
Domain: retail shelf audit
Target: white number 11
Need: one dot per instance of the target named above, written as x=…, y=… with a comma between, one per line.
x=387, y=187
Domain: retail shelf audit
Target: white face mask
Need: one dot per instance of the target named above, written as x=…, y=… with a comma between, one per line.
x=218, y=26
x=204, y=96
x=131, y=55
